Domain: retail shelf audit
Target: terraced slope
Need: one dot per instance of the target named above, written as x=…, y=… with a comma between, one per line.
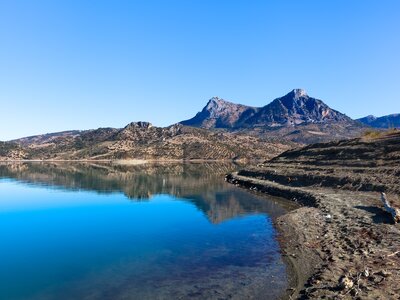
x=357, y=164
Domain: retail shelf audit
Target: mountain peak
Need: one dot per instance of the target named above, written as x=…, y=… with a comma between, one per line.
x=219, y=113
x=216, y=101
x=298, y=93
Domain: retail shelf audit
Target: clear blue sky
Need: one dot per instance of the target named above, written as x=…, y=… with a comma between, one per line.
x=88, y=64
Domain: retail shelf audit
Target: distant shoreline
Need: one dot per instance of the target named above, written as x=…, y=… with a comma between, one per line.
x=131, y=161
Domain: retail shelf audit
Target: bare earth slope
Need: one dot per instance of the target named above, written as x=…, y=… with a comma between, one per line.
x=141, y=140
x=342, y=244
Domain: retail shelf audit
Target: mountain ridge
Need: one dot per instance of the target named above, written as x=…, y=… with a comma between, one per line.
x=387, y=121
x=295, y=116
x=221, y=130
x=294, y=108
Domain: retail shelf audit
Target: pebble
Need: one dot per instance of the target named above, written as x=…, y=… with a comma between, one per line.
x=346, y=283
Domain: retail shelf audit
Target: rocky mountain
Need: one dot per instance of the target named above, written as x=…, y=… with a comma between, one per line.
x=389, y=121
x=219, y=113
x=295, y=108
x=141, y=140
x=243, y=132
x=295, y=117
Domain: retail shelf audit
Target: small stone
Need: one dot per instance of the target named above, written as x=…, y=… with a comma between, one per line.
x=366, y=273
x=346, y=283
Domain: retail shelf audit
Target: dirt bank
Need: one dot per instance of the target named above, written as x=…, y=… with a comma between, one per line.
x=341, y=244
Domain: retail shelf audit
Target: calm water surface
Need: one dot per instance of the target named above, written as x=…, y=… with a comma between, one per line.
x=84, y=231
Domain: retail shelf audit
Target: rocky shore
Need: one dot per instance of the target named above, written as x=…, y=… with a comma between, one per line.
x=341, y=244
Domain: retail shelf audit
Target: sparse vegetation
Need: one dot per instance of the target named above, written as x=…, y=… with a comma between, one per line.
x=372, y=134
x=143, y=141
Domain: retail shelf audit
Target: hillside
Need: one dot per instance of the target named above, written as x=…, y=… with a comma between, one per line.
x=361, y=164
x=141, y=140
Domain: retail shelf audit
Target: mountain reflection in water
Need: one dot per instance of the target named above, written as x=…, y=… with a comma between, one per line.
x=199, y=183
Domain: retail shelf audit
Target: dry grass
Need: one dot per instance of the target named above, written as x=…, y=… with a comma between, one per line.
x=378, y=134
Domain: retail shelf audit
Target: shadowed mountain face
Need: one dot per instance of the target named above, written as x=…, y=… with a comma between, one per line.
x=200, y=184
x=389, y=121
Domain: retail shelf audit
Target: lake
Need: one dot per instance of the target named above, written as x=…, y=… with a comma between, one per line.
x=154, y=231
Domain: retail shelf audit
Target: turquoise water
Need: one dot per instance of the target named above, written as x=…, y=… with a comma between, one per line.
x=103, y=232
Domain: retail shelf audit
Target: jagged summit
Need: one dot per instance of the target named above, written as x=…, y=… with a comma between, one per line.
x=296, y=108
x=217, y=102
x=216, y=99
x=219, y=113
x=298, y=93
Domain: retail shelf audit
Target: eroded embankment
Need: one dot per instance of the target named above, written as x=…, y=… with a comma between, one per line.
x=341, y=244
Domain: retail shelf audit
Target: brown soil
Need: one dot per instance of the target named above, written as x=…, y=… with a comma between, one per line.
x=341, y=244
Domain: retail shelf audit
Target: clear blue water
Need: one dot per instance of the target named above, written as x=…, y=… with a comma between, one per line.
x=134, y=233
